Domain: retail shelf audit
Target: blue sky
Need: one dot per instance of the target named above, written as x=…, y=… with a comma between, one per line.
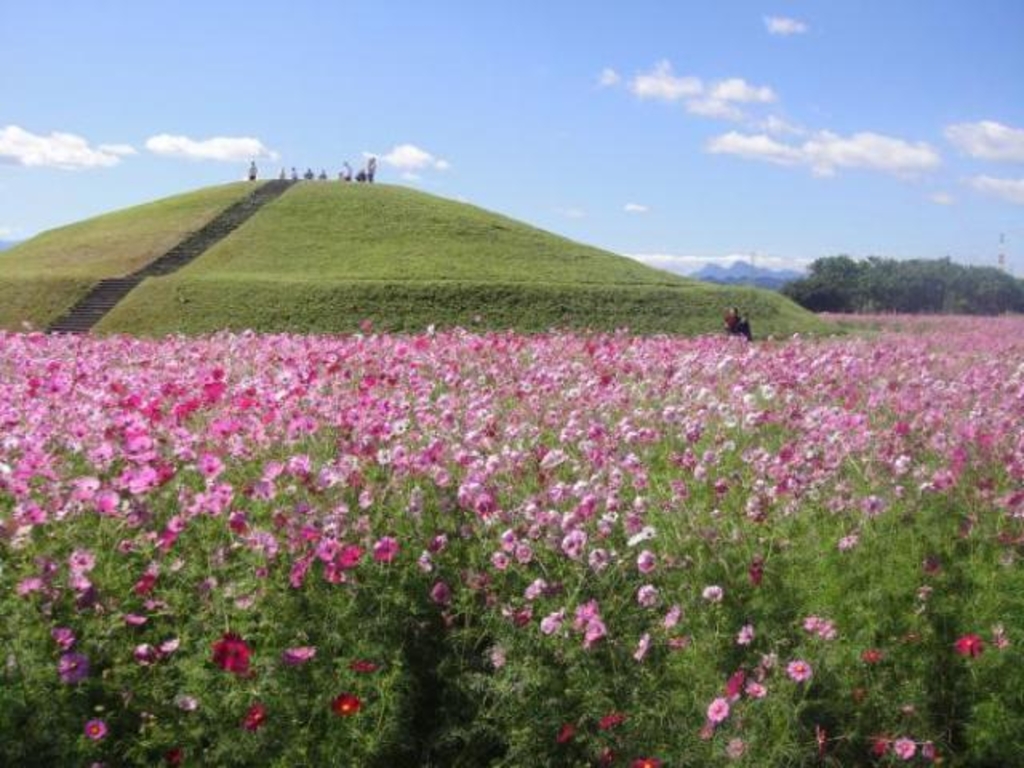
x=676, y=132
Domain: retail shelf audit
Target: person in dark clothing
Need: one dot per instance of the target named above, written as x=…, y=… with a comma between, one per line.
x=371, y=169
x=736, y=324
x=252, y=171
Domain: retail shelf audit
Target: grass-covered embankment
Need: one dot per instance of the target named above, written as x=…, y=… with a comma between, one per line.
x=326, y=257
x=42, y=277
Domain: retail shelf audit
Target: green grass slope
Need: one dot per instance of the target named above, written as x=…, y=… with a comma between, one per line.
x=324, y=257
x=42, y=277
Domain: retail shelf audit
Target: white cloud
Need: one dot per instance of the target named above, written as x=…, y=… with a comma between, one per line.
x=688, y=264
x=662, y=84
x=942, y=198
x=715, y=108
x=6, y=232
x=122, y=150
x=780, y=127
x=1011, y=190
x=608, y=78
x=635, y=208
x=780, y=25
x=738, y=89
x=721, y=99
x=409, y=157
x=827, y=151
x=572, y=213
x=988, y=140
x=222, y=148
x=65, y=151
x=754, y=147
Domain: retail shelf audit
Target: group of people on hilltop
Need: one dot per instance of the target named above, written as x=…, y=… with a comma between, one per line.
x=365, y=174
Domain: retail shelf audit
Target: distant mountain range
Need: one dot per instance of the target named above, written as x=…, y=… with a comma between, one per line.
x=744, y=273
x=5, y=244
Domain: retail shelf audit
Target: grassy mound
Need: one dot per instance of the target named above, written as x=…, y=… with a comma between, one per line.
x=42, y=277
x=325, y=257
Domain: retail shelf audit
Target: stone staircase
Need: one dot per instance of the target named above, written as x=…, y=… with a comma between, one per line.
x=107, y=293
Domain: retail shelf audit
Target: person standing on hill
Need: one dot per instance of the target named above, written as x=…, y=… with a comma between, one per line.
x=252, y=171
x=371, y=169
x=346, y=173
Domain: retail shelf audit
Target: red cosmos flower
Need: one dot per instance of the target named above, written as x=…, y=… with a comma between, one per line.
x=970, y=645
x=346, y=704
x=646, y=762
x=756, y=571
x=565, y=733
x=880, y=745
x=734, y=685
x=872, y=656
x=610, y=721
x=255, y=717
x=145, y=584
x=174, y=756
x=363, y=666
x=349, y=556
x=231, y=653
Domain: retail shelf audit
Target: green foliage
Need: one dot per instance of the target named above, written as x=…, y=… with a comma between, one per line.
x=841, y=284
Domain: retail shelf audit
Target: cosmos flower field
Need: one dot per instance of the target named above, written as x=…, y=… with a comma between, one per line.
x=459, y=549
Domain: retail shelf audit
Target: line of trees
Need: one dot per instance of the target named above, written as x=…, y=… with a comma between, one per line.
x=876, y=284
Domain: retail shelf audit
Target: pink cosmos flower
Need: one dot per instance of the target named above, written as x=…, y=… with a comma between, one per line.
x=799, y=671
x=300, y=655
x=642, y=647
x=594, y=632
x=718, y=711
x=385, y=550
x=904, y=748
x=646, y=562
x=647, y=596
x=81, y=561
x=536, y=589
x=95, y=730
x=672, y=617
x=552, y=622
x=755, y=690
x=713, y=594
x=441, y=593
x=64, y=637
x=735, y=748
x=746, y=635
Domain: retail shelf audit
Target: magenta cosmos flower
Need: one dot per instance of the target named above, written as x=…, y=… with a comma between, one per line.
x=95, y=729
x=385, y=550
x=73, y=668
x=970, y=645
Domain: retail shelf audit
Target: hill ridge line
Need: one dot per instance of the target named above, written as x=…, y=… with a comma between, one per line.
x=105, y=295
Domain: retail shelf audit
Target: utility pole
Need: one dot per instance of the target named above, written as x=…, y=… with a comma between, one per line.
x=1002, y=251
